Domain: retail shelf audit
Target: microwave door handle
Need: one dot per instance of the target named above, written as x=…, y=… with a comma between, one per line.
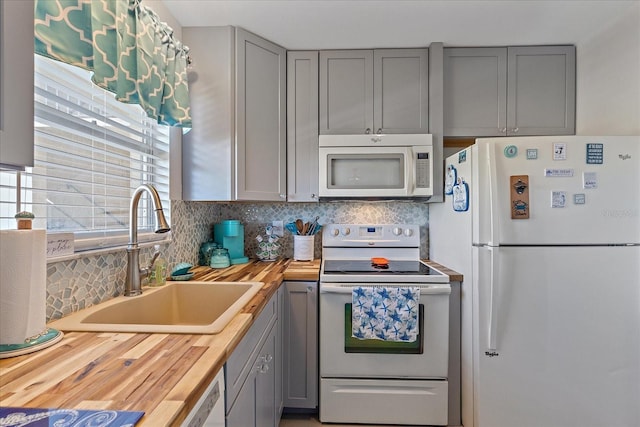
x=409, y=164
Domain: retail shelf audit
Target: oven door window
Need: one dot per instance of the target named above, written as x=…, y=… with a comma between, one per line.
x=366, y=171
x=355, y=345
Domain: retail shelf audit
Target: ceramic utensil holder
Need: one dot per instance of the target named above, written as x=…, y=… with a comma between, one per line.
x=303, y=248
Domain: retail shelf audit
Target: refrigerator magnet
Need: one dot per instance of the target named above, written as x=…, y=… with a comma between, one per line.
x=589, y=180
x=450, y=179
x=559, y=151
x=519, y=195
x=595, y=154
x=558, y=199
x=510, y=151
x=461, y=196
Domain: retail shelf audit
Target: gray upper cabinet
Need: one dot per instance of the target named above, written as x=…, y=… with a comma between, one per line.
x=541, y=90
x=260, y=118
x=369, y=91
x=302, y=126
x=509, y=91
x=475, y=91
x=346, y=91
x=16, y=84
x=237, y=147
x=401, y=91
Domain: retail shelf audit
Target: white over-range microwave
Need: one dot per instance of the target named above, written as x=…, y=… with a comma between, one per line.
x=376, y=166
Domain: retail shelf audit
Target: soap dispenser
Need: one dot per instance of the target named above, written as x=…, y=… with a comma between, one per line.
x=158, y=276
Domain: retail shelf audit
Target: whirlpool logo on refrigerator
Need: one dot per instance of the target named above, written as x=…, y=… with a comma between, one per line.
x=624, y=156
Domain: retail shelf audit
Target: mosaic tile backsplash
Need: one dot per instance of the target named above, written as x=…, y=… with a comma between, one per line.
x=81, y=282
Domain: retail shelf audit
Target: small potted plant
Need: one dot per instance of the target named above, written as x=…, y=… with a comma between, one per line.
x=24, y=220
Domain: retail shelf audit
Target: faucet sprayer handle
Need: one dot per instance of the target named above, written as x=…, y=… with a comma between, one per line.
x=156, y=254
x=145, y=272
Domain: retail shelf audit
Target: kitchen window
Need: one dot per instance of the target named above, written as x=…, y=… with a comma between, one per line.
x=91, y=152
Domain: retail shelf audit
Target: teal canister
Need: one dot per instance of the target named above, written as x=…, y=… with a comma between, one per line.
x=204, y=256
x=220, y=258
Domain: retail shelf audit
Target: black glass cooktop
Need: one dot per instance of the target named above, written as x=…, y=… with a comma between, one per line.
x=347, y=267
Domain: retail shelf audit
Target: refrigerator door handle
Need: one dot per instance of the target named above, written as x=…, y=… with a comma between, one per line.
x=494, y=209
x=493, y=298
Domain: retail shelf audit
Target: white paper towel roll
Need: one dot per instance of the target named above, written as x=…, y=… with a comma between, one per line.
x=23, y=284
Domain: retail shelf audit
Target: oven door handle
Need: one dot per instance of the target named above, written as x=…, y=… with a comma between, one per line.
x=432, y=289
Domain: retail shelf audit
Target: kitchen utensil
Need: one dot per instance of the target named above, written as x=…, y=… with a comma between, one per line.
x=299, y=225
x=313, y=226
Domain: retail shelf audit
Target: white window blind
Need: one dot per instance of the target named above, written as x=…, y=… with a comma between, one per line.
x=91, y=152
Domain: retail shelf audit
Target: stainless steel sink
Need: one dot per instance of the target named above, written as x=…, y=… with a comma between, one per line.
x=177, y=307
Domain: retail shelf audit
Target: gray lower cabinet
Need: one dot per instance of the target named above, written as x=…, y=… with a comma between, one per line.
x=237, y=147
x=509, y=91
x=300, y=325
x=279, y=355
x=302, y=126
x=16, y=84
x=374, y=91
x=252, y=372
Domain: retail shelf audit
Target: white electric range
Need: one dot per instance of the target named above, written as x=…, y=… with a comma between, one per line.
x=375, y=381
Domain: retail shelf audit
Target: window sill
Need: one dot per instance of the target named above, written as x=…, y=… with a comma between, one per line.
x=101, y=251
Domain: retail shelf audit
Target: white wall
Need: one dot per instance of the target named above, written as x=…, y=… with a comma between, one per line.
x=163, y=13
x=175, y=152
x=608, y=79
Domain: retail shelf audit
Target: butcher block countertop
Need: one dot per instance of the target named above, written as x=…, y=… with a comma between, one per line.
x=454, y=276
x=160, y=374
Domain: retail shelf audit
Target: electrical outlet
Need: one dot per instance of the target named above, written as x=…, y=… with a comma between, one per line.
x=278, y=228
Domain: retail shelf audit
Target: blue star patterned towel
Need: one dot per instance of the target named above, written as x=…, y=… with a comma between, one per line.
x=388, y=314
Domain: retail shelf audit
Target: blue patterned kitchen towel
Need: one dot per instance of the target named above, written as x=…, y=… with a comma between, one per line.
x=385, y=313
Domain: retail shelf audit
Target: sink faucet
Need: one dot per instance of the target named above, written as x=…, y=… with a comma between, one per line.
x=135, y=274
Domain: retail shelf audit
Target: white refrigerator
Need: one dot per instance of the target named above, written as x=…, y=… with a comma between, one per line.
x=546, y=231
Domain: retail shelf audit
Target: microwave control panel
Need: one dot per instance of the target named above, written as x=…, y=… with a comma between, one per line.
x=423, y=166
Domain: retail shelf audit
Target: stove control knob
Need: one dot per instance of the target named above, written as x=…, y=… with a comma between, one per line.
x=397, y=231
x=335, y=232
x=346, y=231
x=408, y=232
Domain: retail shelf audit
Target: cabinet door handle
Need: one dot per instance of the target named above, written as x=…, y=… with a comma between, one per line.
x=503, y=130
x=283, y=196
x=314, y=196
x=266, y=358
x=379, y=131
x=515, y=130
x=367, y=131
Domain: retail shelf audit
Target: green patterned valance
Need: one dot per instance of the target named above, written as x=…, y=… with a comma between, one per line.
x=130, y=52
